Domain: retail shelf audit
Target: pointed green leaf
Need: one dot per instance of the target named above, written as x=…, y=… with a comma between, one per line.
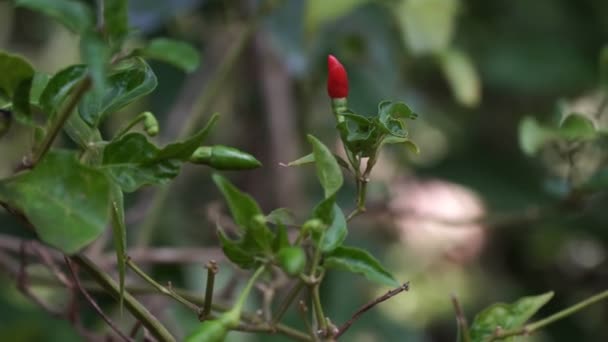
x=67, y=202
x=462, y=77
x=28, y=95
x=14, y=70
x=242, y=206
x=281, y=216
x=410, y=145
x=179, y=54
x=427, y=25
x=336, y=230
x=74, y=15
x=116, y=18
x=577, y=126
x=328, y=170
x=134, y=80
x=119, y=231
x=59, y=87
x=81, y=133
x=307, y=159
x=133, y=161
x=359, y=261
x=506, y=316
x=234, y=252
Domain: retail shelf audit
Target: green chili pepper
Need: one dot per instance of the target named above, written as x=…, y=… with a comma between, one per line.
x=292, y=259
x=222, y=157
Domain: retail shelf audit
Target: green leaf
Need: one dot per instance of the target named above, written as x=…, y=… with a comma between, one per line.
x=281, y=216
x=133, y=161
x=533, y=136
x=577, y=126
x=320, y=12
x=462, y=77
x=119, y=231
x=391, y=139
x=179, y=54
x=242, y=206
x=234, y=251
x=359, y=261
x=116, y=18
x=74, y=15
x=21, y=103
x=59, y=87
x=328, y=170
x=333, y=217
x=360, y=134
x=81, y=133
x=95, y=53
x=281, y=239
x=14, y=70
x=126, y=85
x=39, y=83
x=68, y=203
x=506, y=316
x=307, y=159
x=427, y=25
x=209, y=331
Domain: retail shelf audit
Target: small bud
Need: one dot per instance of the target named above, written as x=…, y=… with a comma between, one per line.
x=150, y=124
x=313, y=226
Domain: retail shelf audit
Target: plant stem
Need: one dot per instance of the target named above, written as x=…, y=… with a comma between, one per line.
x=155, y=327
x=163, y=289
x=60, y=120
x=139, y=118
x=318, y=307
x=532, y=327
x=287, y=331
x=211, y=272
x=293, y=294
x=461, y=320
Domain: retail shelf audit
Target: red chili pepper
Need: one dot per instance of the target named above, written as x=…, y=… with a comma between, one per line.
x=337, y=81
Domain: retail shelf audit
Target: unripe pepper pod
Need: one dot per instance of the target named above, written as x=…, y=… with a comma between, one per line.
x=292, y=259
x=222, y=157
x=337, y=80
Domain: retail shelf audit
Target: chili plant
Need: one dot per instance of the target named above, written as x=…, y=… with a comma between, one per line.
x=69, y=196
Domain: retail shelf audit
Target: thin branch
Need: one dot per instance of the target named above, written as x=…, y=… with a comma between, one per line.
x=303, y=309
x=139, y=311
x=293, y=294
x=461, y=319
x=92, y=302
x=212, y=270
x=60, y=120
x=162, y=289
x=268, y=329
x=368, y=306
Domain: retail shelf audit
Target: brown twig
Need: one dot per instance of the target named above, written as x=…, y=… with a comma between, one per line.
x=368, y=306
x=92, y=302
x=212, y=270
x=461, y=319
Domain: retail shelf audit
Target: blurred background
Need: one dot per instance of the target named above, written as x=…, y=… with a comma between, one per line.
x=471, y=215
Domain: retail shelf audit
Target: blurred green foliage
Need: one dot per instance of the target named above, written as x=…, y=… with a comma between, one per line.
x=472, y=68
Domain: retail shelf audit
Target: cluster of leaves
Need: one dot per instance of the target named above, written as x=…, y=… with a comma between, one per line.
x=571, y=130
x=498, y=317
x=70, y=196
x=326, y=228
